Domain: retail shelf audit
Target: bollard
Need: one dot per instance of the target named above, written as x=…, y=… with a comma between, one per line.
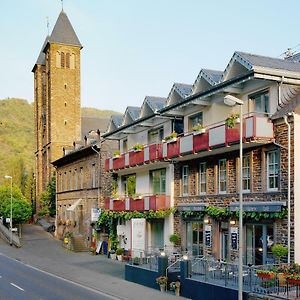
x=162, y=265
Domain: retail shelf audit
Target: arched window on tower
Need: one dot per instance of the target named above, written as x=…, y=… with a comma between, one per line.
x=62, y=61
x=58, y=59
x=68, y=60
x=72, y=61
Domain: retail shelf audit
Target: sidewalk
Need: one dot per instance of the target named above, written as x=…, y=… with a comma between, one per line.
x=42, y=251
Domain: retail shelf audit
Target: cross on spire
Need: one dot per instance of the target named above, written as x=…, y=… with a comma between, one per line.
x=47, y=18
x=62, y=5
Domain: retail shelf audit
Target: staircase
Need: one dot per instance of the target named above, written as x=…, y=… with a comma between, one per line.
x=5, y=234
x=78, y=244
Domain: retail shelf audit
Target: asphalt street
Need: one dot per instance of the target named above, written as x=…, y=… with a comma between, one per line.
x=19, y=281
x=72, y=274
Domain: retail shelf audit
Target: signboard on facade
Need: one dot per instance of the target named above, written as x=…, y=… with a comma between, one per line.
x=234, y=238
x=95, y=214
x=138, y=236
x=207, y=230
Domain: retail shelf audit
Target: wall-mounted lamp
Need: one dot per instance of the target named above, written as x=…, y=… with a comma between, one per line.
x=185, y=257
x=162, y=253
x=232, y=222
x=207, y=221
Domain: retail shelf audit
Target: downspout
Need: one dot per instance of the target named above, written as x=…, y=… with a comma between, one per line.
x=279, y=90
x=289, y=189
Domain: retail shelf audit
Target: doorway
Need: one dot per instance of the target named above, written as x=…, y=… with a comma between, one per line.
x=194, y=237
x=224, y=245
x=259, y=240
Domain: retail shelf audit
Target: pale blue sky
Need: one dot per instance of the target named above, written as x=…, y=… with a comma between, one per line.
x=136, y=48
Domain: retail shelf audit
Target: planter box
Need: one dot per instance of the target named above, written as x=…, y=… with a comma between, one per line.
x=266, y=276
x=155, y=152
x=173, y=149
x=157, y=202
x=119, y=163
x=119, y=205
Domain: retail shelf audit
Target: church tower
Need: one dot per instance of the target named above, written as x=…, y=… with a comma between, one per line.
x=56, y=98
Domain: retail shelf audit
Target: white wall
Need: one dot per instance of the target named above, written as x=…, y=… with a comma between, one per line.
x=143, y=182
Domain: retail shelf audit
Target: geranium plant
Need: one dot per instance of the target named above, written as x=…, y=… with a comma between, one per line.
x=162, y=280
x=232, y=120
x=138, y=147
x=170, y=137
x=198, y=128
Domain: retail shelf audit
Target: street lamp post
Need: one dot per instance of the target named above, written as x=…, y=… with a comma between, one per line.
x=232, y=101
x=10, y=223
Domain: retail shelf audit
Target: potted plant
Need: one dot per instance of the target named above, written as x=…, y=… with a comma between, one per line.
x=175, y=286
x=112, y=254
x=162, y=281
x=266, y=274
x=174, y=238
x=116, y=154
x=232, y=120
x=171, y=138
x=119, y=253
x=293, y=279
x=93, y=250
x=136, y=261
x=279, y=251
x=138, y=147
x=198, y=129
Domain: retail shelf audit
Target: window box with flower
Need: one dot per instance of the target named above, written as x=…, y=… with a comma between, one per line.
x=198, y=129
x=171, y=138
x=232, y=120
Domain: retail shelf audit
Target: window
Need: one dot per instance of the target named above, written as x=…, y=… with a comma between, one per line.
x=273, y=170
x=185, y=180
x=76, y=179
x=222, y=176
x=195, y=120
x=62, y=59
x=261, y=102
x=93, y=176
x=155, y=136
x=68, y=60
x=125, y=146
x=81, y=177
x=246, y=173
x=177, y=126
x=129, y=184
x=202, y=178
x=65, y=181
x=70, y=180
x=158, y=178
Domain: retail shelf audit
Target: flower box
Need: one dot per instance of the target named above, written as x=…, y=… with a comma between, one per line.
x=269, y=275
x=136, y=204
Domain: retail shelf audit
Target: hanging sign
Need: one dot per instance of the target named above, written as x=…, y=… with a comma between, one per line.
x=95, y=214
x=207, y=230
x=234, y=238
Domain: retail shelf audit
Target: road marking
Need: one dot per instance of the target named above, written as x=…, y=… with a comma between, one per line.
x=0, y=276
x=17, y=286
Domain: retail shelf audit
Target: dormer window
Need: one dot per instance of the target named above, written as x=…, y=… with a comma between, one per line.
x=195, y=120
x=261, y=102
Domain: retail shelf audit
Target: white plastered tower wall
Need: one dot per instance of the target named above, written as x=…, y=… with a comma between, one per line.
x=297, y=187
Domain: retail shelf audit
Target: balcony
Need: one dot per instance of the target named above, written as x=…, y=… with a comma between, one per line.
x=255, y=129
x=152, y=202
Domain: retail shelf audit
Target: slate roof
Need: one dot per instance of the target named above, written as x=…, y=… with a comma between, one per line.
x=41, y=58
x=117, y=119
x=134, y=112
x=63, y=32
x=155, y=103
x=269, y=62
x=214, y=75
x=183, y=89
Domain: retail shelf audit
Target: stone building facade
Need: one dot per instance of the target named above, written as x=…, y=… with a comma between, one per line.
x=82, y=186
x=56, y=98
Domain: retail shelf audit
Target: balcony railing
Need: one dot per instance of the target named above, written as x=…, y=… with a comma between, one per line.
x=255, y=128
x=152, y=202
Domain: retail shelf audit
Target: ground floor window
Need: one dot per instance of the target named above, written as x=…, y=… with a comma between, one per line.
x=259, y=240
x=157, y=234
x=194, y=237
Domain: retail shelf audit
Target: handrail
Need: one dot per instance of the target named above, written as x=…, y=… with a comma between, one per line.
x=7, y=234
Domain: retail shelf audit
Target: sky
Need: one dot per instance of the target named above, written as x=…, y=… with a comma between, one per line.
x=134, y=49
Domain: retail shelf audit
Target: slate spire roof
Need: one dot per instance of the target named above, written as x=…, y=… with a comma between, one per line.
x=63, y=32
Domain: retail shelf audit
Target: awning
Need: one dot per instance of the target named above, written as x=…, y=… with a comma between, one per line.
x=74, y=205
x=270, y=206
x=191, y=207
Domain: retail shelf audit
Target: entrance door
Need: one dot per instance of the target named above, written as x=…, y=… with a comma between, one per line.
x=157, y=234
x=194, y=237
x=224, y=245
x=259, y=240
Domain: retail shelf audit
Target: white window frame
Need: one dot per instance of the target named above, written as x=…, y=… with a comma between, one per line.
x=275, y=165
x=185, y=180
x=202, y=178
x=246, y=174
x=222, y=172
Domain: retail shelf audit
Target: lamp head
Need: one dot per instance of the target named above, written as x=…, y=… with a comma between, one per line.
x=232, y=101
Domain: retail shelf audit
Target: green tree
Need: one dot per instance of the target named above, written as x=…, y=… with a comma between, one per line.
x=47, y=199
x=21, y=209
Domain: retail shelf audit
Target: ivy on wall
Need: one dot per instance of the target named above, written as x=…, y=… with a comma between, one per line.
x=221, y=214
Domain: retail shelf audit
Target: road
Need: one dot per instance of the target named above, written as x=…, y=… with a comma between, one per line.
x=20, y=281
